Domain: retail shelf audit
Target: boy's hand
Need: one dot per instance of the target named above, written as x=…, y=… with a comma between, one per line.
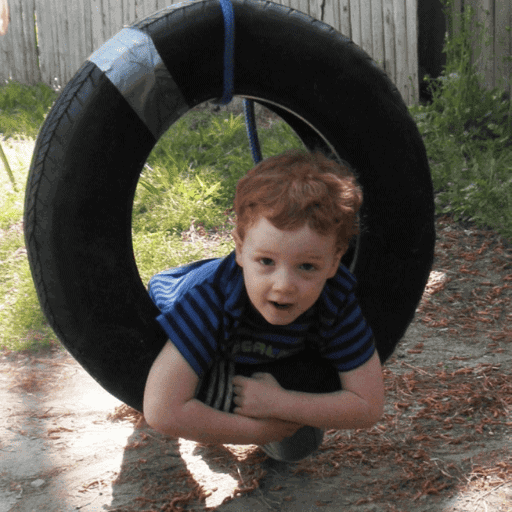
x=256, y=396
x=275, y=430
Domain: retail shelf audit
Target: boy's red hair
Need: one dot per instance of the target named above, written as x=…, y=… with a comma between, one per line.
x=298, y=188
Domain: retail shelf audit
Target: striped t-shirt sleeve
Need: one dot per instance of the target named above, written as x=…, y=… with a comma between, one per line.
x=192, y=325
x=349, y=341
x=191, y=319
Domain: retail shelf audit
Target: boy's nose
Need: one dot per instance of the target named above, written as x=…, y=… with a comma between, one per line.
x=283, y=281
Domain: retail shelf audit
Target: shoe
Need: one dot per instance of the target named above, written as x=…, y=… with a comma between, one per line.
x=297, y=447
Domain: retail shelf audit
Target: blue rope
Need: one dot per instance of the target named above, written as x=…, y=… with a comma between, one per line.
x=229, y=51
x=250, y=126
x=229, y=72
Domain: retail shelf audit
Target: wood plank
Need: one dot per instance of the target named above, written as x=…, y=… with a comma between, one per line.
x=78, y=40
x=355, y=22
x=30, y=37
x=46, y=43
x=18, y=57
x=148, y=7
x=14, y=58
x=389, y=39
x=503, y=45
x=400, y=48
x=378, y=32
x=303, y=6
x=366, y=26
x=26, y=60
x=10, y=41
x=139, y=9
x=107, y=18
x=332, y=13
x=69, y=47
x=97, y=29
x=66, y=43
x=315, y=9
x=344, y=23
x=86, y=20
x=485, y=62
x=295, y=4
x=116, y=18
x=55, y=21
x=412, y=51
x=162, y=4
x=128, y=12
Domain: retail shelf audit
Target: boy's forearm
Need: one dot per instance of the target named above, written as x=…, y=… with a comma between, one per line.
x=198, y=422
x=337, y=410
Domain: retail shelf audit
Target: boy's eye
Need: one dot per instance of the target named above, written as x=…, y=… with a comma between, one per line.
x=307, y=266
x=266, y=261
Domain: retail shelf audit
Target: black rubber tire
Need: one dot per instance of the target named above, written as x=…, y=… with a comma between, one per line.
x=93, y=146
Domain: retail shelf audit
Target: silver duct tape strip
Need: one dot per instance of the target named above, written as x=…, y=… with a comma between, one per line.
x=133, y=65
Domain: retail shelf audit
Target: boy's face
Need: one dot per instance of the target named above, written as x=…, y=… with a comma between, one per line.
x=285, y=271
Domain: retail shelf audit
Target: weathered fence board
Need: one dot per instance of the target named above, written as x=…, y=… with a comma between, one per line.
x=503, y=46
x=491, y=39
x=355, y=23
x=18, y=53
x=331, y=13
x=389, y=38
x=411, y=23
x=365, y=14
x=344, y=17
x=400, y=46
x=69, y=31
x=377, y=12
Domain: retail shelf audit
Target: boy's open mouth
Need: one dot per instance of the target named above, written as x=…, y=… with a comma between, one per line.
x=280, y=306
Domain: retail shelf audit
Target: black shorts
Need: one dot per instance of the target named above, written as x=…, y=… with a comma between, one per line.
x=306, y=372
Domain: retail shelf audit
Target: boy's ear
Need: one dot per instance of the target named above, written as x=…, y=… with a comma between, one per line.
x=336, y=262
x=238, y=248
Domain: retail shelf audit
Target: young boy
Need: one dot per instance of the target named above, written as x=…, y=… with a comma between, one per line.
x=268, y=345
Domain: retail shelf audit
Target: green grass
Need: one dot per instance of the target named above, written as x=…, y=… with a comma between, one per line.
x=23, y=108
x=187, y=186
x=22, y=324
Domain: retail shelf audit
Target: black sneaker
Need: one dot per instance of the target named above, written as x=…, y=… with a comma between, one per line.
x=292, y=449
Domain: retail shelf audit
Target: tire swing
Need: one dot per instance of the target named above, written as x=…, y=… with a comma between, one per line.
x=99, y=133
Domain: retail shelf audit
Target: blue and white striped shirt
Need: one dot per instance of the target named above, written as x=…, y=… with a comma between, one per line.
x=205, y=304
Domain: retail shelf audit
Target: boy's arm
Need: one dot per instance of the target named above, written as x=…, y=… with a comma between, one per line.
x=359, y=405
x=170, y=407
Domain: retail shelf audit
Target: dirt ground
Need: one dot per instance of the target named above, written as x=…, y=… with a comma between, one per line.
x=444, y=443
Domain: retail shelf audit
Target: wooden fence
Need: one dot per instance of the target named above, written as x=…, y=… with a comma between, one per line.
x=491, y=39
x=48, y=40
